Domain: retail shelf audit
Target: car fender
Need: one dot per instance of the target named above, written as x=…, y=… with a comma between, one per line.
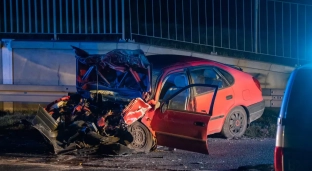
x=135, y=110
x=147, y=119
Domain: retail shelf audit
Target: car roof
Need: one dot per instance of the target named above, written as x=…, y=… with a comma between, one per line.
x=162, y=61
x=298, y=87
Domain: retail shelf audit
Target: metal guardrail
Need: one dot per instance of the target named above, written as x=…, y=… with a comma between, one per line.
x=264, y=27
x=273, y=97
x=273, y=28
x=46, y=94
x=33, y=93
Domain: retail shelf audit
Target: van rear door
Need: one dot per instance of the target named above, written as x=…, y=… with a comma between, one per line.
x=295, y=122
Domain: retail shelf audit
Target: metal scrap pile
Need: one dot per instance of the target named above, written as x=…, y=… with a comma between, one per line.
x=111, y=94
x=74, y=122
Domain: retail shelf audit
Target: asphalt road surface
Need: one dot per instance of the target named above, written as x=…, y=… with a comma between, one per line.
x=224, y=155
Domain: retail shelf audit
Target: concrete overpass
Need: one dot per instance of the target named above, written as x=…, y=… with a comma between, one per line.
x=49, y=63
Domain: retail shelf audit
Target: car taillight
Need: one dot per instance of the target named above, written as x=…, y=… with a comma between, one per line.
x=278, y=158
x=257, y=83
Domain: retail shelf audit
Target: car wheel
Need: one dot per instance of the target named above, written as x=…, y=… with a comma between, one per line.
x=235, y=123
x=142, y=137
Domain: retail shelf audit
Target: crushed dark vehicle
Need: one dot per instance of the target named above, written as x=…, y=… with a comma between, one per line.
x=111, y=96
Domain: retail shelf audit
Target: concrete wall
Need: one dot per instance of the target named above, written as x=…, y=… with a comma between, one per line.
x=1, y=76
x=270, y=75
x=53, y=63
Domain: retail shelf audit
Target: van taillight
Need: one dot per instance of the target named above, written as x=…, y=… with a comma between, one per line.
x=278, y=158
x=257, y=83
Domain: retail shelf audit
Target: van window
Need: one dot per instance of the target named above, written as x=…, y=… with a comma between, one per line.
x=299, y=109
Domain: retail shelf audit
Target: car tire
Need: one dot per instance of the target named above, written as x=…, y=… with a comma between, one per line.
x=235, y=123
x=142, y=138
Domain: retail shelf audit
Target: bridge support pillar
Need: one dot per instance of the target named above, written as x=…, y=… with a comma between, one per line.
x=7, y=69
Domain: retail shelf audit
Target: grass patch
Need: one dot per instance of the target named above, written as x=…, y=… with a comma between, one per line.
x=18, y=136
x=10, y=120
x=264, y=127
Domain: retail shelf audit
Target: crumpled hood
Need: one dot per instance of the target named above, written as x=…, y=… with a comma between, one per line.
x=120, y=70
x=135, y=110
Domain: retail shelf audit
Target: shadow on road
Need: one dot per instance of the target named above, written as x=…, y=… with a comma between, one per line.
x=27, y=140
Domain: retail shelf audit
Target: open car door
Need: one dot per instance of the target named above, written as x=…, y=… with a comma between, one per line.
x=178, y=125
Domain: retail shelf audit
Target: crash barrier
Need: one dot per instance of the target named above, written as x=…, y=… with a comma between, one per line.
x=33, y=93
x=47, y=94
x=273, y=97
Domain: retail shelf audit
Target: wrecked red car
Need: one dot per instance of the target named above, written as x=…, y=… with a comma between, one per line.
x=128, y=101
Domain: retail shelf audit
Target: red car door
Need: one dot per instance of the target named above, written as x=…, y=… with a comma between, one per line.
x=224, y=100
x=178, y=125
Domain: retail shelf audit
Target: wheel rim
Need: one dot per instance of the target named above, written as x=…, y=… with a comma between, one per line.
x=139, y=137
x=237, y=122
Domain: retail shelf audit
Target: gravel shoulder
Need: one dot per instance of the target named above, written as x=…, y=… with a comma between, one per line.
x=32, y=154
x=23, y=148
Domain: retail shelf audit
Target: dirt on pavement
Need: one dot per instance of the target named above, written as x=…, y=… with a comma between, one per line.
x=25, y=149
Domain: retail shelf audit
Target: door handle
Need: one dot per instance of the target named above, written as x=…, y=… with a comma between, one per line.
x=202, y=124
x=228, y=97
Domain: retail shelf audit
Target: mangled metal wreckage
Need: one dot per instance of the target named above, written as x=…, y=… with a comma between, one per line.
x=111, y=96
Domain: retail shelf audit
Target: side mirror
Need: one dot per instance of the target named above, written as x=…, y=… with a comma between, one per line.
x=164, y=107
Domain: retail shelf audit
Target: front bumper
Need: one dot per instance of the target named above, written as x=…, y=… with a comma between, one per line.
x=256, y=111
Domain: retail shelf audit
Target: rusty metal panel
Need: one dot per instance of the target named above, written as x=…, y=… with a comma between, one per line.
x=22, y=106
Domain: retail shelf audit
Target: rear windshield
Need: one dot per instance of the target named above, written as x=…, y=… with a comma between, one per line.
x=300, y=104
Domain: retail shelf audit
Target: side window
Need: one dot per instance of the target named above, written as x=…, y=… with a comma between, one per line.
x=227, y=76
x=205, y=75
x=172, y=84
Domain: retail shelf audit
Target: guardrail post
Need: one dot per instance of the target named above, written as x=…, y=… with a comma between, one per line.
x=7, y=68
x=54, y=21
x=123, y=19
x=256, y=24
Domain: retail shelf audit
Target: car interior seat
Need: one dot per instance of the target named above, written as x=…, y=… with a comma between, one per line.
x=211, y=77
x=180, y=100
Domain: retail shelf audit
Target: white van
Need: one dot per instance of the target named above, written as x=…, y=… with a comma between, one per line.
x=293, y=149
